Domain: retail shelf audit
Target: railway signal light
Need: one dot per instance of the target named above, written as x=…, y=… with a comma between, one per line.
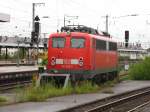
x=34, y=37
x=45, y=45
x=126, y=38
x=126, y=35
x=35, y=32
x=37, y=27
x=37, y=18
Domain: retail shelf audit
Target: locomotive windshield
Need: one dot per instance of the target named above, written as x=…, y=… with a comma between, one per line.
x=58, y=42
x=77, y=42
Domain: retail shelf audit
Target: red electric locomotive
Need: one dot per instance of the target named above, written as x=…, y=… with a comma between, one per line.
x=83, y=53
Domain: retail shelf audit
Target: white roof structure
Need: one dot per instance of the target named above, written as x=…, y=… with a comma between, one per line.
x=12, y=42
x=4, y=17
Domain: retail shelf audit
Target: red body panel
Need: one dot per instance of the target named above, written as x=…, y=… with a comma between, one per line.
x=93, y=59
x=67, y=53
x=105, y=59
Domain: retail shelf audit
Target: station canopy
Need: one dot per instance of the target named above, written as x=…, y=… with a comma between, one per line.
x=4, y=17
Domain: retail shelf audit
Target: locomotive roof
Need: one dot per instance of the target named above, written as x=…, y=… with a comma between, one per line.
x=102, y=37
x=81, y=34
x=81, y=30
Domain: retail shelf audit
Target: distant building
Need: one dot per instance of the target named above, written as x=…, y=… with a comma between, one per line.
x=133, y=51
x=10, y=44
x=148, y=51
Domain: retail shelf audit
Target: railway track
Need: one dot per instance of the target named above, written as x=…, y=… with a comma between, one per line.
x=14, y=77
x=119, y=103
x=14, y=85
x=140, y=107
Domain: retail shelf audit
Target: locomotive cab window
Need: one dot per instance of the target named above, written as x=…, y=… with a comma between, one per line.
x=112, y=46
x=100, y=45
x=77, y=42
x=58, y=42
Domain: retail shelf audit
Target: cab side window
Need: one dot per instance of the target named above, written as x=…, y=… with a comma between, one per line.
x=100, y=44
x=112, y=46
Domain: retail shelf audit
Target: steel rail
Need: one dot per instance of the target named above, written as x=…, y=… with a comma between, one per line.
x=117, y=102
x=89, y=105
x=138, y=107
x=14, y=85
x=11, y=80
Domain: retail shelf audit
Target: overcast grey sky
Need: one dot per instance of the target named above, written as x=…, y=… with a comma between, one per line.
x=90, y=12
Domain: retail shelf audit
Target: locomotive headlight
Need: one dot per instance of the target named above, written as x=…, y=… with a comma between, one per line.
x=53, y=61
x=53, y=58
x=81, y=61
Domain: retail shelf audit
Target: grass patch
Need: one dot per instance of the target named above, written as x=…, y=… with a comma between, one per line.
x=141, y=70
x=86, y=87
x=47, y=91
x=42, y=93
x=2, y=99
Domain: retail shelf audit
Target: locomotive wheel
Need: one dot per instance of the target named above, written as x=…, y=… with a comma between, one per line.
x=104, y=77
x=55, y=81
x=112, y=75
x=97, y=79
